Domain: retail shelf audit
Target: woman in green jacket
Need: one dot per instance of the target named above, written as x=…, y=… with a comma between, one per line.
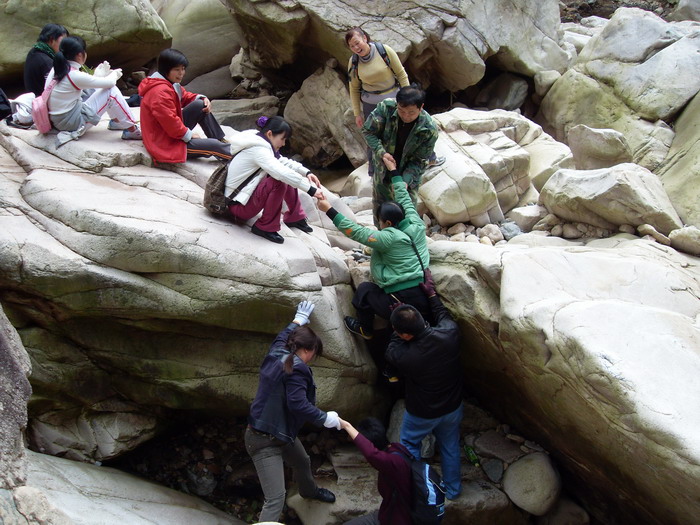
x=399, y=258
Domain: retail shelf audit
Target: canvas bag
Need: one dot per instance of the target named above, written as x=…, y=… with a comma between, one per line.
x=214, y=199
x=40, y=109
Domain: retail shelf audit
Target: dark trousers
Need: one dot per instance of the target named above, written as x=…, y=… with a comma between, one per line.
x=194, y=114
x=370, y=300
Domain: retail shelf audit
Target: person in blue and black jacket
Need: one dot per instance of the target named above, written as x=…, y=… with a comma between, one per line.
x=285, y=400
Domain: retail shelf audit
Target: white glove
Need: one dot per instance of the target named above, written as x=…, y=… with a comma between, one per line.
x=332, y=420
x=118, y=72
x=102, y=70
x=303, y=312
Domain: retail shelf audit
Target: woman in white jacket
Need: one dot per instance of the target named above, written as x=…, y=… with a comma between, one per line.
x=68, y=112
x=260, y=179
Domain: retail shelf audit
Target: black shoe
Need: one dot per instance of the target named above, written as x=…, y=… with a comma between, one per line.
x=270, y=236
x=324, y=495
x=354, y=326
x=300, y=225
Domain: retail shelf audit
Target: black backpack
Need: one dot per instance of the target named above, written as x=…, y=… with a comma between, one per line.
x=427, y=504
x=356, y=59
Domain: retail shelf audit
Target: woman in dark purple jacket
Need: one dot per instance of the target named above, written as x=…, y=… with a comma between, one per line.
x=394, y=480
x=285, y=400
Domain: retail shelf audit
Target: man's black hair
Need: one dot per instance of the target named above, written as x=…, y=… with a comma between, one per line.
x=375, y=431
x=391, y=211
x=411, y=95
x=52, y=32
x=405, y=319
x=170, y=59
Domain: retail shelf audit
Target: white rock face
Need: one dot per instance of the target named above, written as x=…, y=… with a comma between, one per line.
x=597, y=148
x=680, y=172
x=429, y=39
x=686, y=10
x=625, y=79
x=532, y=483
x=686, y=239
x=488, y=168
x=609, y=197
x=587, y=347
x=81, y=493
x=138, y=293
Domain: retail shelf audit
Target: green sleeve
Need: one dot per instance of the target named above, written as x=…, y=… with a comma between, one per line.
x=362, y=234
x=404, y=199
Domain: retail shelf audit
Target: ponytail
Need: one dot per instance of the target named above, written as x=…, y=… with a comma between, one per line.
x=70, y=47
x=302, y=337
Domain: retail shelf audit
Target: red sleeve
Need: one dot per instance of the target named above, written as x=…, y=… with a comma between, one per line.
x=163, y=106
x=386, y=462
x=187, y=97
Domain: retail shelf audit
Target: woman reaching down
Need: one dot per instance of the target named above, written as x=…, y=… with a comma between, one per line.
x=260, y=179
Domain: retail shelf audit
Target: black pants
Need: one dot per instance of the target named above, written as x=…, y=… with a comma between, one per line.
x=371, y=300
x=194, y=114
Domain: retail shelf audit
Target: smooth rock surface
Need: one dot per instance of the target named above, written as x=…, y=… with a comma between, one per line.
x=532, y=483
x=597, y=148
x=243, y=114
x=686, y=239
x=83, y=492
x=622, y=194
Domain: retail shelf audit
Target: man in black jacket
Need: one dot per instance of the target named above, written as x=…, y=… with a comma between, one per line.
x=39, y=60
x=428, y=358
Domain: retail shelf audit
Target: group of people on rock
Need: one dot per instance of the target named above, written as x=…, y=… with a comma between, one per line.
x=400, y=135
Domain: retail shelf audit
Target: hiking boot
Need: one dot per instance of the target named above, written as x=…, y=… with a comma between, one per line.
x=324, y=495
x=131, y=135
x=270, y=236
x=300, y=225
x=353, y=325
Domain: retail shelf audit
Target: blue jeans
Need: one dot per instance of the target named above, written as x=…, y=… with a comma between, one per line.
x=446, y=431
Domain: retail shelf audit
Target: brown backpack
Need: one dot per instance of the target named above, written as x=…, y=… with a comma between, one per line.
x=214, y=199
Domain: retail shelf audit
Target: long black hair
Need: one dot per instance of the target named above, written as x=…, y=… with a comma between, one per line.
x=70, y=47
x=302, y=337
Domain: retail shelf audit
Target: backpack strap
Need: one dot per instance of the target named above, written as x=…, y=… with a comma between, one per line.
x=242, y=185
x=71, y=81
x=353, y=65
x=382, y=53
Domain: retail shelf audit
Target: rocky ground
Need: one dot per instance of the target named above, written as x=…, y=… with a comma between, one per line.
x=207, y=458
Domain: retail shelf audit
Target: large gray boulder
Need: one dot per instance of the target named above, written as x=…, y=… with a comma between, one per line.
x=626, y=79
x=520, y=37
x=610, y=197
x=204, y=30
x=321, y=116
x=136, y=302
x=592, y=340
x=488, y=167
x=138, y=36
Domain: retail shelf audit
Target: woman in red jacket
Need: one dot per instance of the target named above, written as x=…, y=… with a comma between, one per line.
x=169, y=113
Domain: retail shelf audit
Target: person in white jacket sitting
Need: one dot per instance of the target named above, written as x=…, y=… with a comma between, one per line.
x=260, y=179
x=68, y=112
